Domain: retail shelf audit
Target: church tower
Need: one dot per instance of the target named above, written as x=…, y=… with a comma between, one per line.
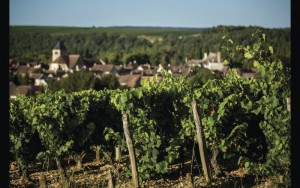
x=59, y=50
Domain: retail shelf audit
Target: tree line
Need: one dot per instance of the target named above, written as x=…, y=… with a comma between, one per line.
x=119, y=48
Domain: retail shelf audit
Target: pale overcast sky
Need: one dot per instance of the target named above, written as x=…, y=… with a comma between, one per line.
x=171, y=13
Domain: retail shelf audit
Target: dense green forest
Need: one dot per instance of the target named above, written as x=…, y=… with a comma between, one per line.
x=118, y=45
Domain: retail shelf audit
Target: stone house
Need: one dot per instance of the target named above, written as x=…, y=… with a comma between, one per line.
x=211, y=61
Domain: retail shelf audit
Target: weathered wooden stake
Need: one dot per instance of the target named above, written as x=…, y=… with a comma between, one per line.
x=64, y=180
x=288, y=101
x=97, y=155
x=78, y=165
x=118, y=153
x=110, y=180
x=134, y=170
x=25, y=176
x=189, y=181
x=202, y=147
x=42, y=181
x=214, y=161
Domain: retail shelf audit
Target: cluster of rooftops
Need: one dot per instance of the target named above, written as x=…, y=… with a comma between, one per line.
x=129, y=76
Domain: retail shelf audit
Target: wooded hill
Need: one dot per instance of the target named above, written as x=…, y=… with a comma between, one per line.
x=154, y=45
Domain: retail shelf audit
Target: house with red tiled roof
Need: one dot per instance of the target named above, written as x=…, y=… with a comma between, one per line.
x=104, y=69
x=129, y=81
x=96, y=69
x=108, y=69
x=23, y=69
x=61, y=60
x=144, y=69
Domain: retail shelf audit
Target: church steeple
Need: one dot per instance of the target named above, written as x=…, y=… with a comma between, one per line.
x=59, y=50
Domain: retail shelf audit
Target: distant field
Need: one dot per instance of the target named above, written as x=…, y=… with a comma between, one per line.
x=154, y=31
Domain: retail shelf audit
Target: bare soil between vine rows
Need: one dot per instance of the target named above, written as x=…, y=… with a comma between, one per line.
x=94, y=174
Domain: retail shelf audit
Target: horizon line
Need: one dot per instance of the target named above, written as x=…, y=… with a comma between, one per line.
x=139, y=26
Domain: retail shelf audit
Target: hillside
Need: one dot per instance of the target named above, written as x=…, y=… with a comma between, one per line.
x=109, y=30
x=116, y=45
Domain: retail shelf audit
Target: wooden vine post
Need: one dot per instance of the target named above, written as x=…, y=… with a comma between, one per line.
x=98, y=155
x=202, y=147
x=42, y=181
x=134, y=170
x=288, y=101
x=110, y=180
x=189, y=181
x=118, y=153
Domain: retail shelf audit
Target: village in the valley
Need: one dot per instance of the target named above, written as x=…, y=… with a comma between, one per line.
x=149, y=94
x=129, y=75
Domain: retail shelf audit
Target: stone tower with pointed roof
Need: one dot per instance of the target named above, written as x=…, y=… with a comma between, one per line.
x=61, y=60
x=59, y=50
